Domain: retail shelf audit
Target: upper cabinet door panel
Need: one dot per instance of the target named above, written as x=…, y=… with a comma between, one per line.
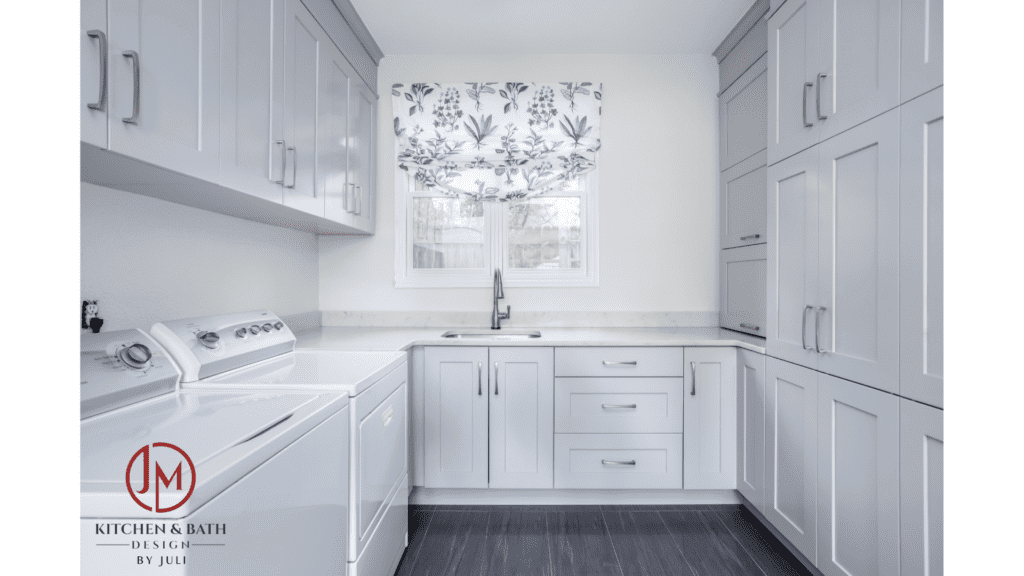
x=304, y=40
x=921, y=250
x=743, y=272
x=177, y=43
x=362, y=152
x=857, y=311
x=332, y=152
x=742, y=115
x=920, y=47
x=793, y=257
x=860, y=58
x=95, y=84
x=251, y=96
x=792, y=64
x=743, y=197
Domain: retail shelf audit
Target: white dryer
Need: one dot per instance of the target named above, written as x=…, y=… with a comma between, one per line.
x=377, y=385
x=205, y=482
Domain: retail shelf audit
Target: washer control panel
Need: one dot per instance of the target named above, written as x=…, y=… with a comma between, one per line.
x=120, y=368
x=210, y=345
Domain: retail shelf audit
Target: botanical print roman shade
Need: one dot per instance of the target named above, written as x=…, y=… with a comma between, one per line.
x=497, y=141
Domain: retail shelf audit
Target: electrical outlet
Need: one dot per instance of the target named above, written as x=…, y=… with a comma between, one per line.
x=91, y=316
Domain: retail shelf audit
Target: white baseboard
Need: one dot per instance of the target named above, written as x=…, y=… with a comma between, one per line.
x=488, y=497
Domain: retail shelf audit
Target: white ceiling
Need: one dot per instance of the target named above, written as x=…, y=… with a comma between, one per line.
x=550, y=26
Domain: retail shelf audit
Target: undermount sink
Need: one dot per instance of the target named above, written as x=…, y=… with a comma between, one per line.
x=492, y=334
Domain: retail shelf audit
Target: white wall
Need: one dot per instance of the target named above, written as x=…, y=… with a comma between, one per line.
x=148, y=260
x=658, y=194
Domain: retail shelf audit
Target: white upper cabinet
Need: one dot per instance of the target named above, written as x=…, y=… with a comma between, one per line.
x=858, y=479
x=333, y=150
x=742, y=115
x=742, y=273
x=856, y=317
x=858, y=75
x=94, y=79
x=305, y=46
x=921, y=249
x=252, y=151
x=791, y=457
x=743, y=198
x=362, y=156
x=709, y=419
x=165, y=82
x=793, y=258
x=456, y=393
x=921, y=490
x=921, y=47
x=792, y=76
x=750, y=450
x=522, y=433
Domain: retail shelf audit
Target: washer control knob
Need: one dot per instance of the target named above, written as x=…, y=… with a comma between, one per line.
x=136, y=356
x=268, y=327
x=241, y=332
x=278, y=325
x=209, y=339
x=254, y=329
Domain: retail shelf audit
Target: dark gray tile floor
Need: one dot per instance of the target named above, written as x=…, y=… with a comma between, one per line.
x=592, y=541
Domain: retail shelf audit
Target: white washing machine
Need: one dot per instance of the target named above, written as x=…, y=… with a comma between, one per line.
x=205, y=482
x=208, y=350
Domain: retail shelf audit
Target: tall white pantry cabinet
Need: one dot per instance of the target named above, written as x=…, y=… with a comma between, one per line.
x=854, y=374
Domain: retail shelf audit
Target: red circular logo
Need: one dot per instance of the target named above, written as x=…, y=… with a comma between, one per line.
x=168, y=457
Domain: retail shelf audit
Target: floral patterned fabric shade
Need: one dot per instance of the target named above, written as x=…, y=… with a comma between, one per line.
x=497, y=141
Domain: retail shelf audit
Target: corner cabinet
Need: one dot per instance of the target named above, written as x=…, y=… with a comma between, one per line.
x=245, y=108
x=709, y=419
x=489, y=417
x=750, y=428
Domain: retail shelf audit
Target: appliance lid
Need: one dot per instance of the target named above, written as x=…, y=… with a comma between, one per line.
x=225, y=435
x=334, y=370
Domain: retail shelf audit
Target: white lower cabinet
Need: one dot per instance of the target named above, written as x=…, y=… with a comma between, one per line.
x=709, y=419
x=455, y=417
x=750, y=432
x=791, y=404
x=858, y=479
x=521, y=417
x=633, y=461
x=921, y=489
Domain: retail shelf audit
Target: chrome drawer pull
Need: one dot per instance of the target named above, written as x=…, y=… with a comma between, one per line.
x=804, y=110
x=618, y=406
x=495, y=378
x=750, y=327
x=803, y=328
x=136, y=91
x=817, y=98
x=817, y=328
x=693, y=377
x=613, y=362
x=750, y=237
x=619, y=462
x=284, y=160
x=479, y=378
x=101, y=103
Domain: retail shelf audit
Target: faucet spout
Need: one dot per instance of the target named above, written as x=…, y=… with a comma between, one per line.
x=499, y=294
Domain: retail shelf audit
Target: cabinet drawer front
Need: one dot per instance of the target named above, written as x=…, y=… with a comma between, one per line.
x=619, y=405
x=619, y=461
x=601, y=361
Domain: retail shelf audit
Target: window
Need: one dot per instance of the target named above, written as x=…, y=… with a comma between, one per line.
x=449, y=242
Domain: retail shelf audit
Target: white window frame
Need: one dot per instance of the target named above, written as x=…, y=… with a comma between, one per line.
x=496, y=215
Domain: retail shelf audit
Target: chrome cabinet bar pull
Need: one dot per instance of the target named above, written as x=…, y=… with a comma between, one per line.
x=345, y=196
x=284, y=160
x=750, y=327
x=614, y=363
x=359, y=200
x=803, y=328
x=608, y=406
x=495, y=378
x=295, y=168
x=136, y=94
x=101, y=104
x=479, y=378
x=693, y=378
x=803, y=113
x=817, y=328
x=818, y=97
x=750, y=237
x=619, y=462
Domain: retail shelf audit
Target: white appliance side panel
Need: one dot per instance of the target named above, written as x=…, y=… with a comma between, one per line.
x=382, y=454
x=303, y=489
x=387, y=543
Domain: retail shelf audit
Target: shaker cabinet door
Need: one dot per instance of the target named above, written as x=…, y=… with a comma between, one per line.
x=750, y=450
x=921, y=489
x=921, y=249
x=168, y=113
x=792, y=69
x=95, y=80
x=333, y=131
x=743, y=272
x=362, y=156
x=709, y=419
x=920, y=47
x=305, y=47
x=741, y=115
x=743, y=195
x=522, y=417
x=455, y=417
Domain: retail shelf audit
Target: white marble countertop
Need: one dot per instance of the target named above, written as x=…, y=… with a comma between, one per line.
x=400, y=339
